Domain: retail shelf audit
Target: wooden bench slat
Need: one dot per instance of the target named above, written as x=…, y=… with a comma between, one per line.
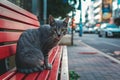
x=53, y=53
x=12, y=25
x=18, y=17
x=32, y=76
x=54, y=72
x=7, y=50
x=18, y=76
x=9, y=36
x=64, y=65
x=8, y=74
x=11, y=6
x=43, y=75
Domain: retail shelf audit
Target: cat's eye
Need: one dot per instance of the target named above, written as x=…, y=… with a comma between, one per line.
x=64, y=29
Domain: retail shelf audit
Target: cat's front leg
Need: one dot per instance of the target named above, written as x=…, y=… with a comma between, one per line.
x=47, y=64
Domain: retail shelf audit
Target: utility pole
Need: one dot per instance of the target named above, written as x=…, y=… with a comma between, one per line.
x=45, y=11
x=72, y=23
x=72, y=27
x=80, y=24
x=35, y=7
x=118, y=2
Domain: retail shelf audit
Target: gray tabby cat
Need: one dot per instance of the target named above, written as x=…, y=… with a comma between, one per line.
x=34, y=44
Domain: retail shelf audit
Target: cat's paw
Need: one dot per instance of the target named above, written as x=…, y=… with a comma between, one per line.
x=49, y=66
x=39, y=68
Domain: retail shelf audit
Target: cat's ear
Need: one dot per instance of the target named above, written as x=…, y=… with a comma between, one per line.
x=66, y=20
x=51, y=19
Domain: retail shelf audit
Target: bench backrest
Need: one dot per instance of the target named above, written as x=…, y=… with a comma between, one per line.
x=13, y=21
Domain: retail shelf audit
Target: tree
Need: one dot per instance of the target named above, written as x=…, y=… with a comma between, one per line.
x=58, y=8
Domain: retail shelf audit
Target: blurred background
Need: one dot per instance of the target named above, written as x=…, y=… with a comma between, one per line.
x=87, y=16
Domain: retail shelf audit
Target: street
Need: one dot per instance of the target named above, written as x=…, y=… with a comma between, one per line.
x=106, y=45
x=91, y=63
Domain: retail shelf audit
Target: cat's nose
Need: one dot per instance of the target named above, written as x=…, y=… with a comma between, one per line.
x=58, y=35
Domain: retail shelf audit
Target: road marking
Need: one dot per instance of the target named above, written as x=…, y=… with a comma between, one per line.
x=111, y=44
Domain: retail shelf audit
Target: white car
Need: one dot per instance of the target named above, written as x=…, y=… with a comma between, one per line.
x=88, y=30
x=110, y=30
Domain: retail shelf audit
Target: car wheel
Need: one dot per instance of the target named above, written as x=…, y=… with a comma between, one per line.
x=99, y=35
x=105, y=35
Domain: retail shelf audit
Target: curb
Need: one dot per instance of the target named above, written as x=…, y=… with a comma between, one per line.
x=104, y=54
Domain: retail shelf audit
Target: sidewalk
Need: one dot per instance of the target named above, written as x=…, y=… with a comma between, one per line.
x=90, y=63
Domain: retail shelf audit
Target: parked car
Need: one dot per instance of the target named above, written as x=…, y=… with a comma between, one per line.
x=88, y=30
x=103, y=25
x=109, y=30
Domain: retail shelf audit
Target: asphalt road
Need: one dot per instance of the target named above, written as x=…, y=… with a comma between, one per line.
x=106, y=45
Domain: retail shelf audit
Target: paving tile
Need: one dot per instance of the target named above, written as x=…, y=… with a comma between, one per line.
x=91, y=66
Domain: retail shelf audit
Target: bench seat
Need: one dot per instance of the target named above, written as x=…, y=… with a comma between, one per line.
x=54, y=58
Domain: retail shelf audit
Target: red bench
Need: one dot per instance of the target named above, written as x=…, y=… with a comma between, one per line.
x=13, y=21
